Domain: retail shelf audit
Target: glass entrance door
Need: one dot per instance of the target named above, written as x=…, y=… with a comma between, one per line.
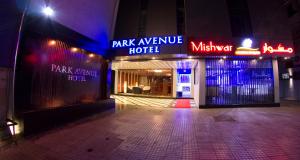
x=184, y=79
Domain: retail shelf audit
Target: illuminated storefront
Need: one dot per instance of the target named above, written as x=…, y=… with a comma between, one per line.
x=242, y=72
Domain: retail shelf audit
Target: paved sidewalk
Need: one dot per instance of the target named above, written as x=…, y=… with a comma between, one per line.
x=139, y=132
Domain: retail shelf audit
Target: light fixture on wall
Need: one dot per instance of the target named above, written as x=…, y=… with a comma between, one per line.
x=51, y=42
x=91, y=55
x=73, y=49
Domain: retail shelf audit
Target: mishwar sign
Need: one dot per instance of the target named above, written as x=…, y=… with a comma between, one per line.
x=247, y=47
x=210, y=46
x=148, y=45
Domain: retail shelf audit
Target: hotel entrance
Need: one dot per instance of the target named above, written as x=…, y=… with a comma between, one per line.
x=154, y=78
x=151, y=82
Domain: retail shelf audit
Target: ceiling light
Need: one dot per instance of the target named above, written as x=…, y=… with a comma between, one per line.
x=157, y=71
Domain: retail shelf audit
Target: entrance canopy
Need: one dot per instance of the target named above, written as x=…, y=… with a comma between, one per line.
x=154, y=64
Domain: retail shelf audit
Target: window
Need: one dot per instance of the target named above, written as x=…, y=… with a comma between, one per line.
x=243, y=81
x=291, y=10
x=180, y=13
x=143, y=18
x=239, y=18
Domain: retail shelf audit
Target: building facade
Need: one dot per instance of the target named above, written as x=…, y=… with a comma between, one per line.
x=290, y=69
x=53, y=65
x=228, y=55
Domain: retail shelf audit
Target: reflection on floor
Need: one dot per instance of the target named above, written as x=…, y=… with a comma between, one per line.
x=144, y=95
x=183, y=103
x=155, y=102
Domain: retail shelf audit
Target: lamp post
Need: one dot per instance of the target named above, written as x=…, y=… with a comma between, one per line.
x=48, y=11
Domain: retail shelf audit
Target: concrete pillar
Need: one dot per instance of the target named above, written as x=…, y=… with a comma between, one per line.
x=174, y=83
x=276, y=81
x=196, y=87
x=192, y=81
x=202, y=82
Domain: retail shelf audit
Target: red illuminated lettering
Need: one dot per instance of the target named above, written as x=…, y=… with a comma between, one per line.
x=210, y=47
x=280, y=49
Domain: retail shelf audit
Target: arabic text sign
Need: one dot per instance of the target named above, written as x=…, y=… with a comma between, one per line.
x=146, y=45
x=268, y=49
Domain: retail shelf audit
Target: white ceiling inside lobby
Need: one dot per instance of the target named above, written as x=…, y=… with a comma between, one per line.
x=154, y=64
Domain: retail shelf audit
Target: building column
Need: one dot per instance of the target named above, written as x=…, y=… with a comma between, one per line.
x=192, y=82
x=202, y=83
x=174, y=88
x=276, y=81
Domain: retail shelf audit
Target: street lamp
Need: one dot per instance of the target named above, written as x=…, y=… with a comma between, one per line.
x=48, y=11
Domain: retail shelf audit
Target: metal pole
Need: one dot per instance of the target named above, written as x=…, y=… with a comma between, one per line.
x=15, y=58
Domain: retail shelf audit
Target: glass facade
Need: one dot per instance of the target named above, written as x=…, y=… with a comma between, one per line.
x=239, y=81
x=146, y=82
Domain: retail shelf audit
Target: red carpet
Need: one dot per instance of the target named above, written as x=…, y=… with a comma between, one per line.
x=182, y=103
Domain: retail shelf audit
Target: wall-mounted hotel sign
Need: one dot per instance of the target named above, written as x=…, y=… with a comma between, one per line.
x=244, y=48
x=147, y=45
x=74, y=74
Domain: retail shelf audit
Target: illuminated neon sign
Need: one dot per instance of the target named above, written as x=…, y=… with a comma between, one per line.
x=246, y=49
x=146, y=45
x=201, y=47
x=280, y=49
x=242, y=51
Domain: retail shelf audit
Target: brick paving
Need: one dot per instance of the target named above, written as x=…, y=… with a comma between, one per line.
x=142, y=132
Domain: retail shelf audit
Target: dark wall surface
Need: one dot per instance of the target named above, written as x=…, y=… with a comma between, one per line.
x=54, y=75
x=10, y=17
x=54, y=70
